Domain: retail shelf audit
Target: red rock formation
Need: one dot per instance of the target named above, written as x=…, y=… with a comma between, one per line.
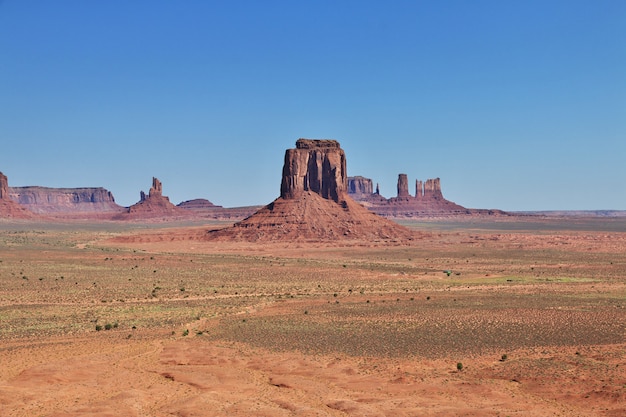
x=403, y=186
x=8, y=207
x=314, y=165
x=157, y=188
x=432, y=189
x=154, y=205
x=4, y=187
x=197, y=204
x=428, y=201
x=46, y=200
x=419, y=189
x=314, y=204
x=360, y=186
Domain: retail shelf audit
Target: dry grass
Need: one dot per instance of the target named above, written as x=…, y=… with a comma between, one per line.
x=555, y=302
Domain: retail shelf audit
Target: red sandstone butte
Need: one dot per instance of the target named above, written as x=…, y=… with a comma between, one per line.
x=314, y=204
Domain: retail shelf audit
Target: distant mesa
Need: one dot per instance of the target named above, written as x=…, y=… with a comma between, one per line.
x=44, y=200
x=198, y=204
x=8, y=207
x=314, y=204
x=153, y=205
x=427, y=201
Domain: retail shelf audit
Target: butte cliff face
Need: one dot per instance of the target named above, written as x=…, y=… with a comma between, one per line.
x=4, y=187
x=360, y=186
x=8, y=207
x=315, y=165
x=46, y=200
x=314, y=204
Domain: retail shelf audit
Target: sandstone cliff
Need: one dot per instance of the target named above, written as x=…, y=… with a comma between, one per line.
x=403, y=186
x=4, y=187
x=8, y=207
x=315, y=165
x=360, y=186
x=46, y=200
x=314, y=204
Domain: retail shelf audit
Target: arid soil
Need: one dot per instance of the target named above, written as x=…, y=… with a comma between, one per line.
x=471, y=319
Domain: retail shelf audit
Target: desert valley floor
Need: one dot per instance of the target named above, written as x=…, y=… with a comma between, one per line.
x=488, y=317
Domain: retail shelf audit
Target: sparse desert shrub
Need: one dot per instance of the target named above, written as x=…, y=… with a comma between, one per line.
x=186, y=332
x=108, y=326
x=504, y=357
x=98, y=327
x=459, y=366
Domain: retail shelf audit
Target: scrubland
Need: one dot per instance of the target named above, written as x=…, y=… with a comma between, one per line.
x=148, y=320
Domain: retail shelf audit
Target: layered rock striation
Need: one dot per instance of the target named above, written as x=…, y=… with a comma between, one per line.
x=314, y=204
x=45, y=200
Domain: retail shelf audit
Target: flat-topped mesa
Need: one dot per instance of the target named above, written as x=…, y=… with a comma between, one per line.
x=4, y=187
x=317, y=165
x=360, y=185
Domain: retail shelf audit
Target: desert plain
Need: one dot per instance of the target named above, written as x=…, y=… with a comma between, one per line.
x=476, y=317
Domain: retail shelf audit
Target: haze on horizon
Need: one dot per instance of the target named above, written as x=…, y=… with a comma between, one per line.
x=514, y=105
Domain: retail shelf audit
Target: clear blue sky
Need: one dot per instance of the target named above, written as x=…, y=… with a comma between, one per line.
x=517, y=105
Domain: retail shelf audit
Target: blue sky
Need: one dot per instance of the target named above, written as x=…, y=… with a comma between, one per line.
x=516, y=105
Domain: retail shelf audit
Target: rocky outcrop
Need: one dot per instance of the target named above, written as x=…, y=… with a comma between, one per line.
x=197, y=204
x=315, y=165
x=46, y=200
x=8, y=207
x=360, y=186
x=4, y=187
x=403, y=186
x=153, y=205
x=432, y=189
x=314, y=204
x=427, y=202
x=419, y=189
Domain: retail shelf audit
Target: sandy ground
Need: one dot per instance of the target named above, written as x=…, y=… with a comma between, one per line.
x=204, y=329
